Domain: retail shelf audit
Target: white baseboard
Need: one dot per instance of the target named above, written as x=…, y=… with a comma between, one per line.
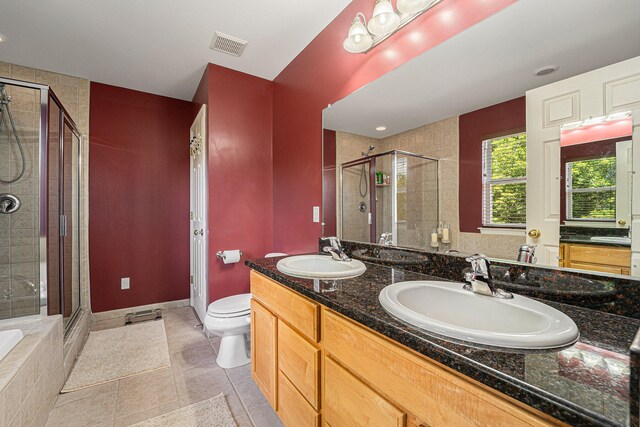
x=114, y=314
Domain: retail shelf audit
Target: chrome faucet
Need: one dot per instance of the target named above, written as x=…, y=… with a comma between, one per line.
x=480, y=280
x=335, y=249
x=386, y=239
x=527, y=254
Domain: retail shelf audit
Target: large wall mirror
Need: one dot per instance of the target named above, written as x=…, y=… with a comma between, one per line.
x=486, y=143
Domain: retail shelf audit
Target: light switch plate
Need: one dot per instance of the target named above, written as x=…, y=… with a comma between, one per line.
x=124, y=283
x=316, y=214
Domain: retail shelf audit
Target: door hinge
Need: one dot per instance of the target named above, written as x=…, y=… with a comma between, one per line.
x=191, y=279
x=191, y=215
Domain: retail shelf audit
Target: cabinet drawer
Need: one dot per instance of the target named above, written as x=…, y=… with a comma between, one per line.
x=597, y=267
x=300, y=362
x=293, y=409
x=607, y=255
x=349, y=402
x=421, y=387
x=296, y=310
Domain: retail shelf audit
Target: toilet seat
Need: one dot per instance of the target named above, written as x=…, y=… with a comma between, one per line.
x=229, y=307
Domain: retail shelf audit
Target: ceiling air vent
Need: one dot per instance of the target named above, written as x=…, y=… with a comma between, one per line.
x=227, y=44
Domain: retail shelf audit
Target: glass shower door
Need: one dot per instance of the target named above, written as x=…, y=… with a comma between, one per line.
x=356, y=202
x=69, y=222
x=416, y=190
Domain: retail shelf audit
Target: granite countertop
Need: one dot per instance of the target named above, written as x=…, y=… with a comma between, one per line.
x=585, y=384
x=586, y=240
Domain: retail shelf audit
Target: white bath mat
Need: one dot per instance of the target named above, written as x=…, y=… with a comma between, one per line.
x=208, y=413
x=112, y=354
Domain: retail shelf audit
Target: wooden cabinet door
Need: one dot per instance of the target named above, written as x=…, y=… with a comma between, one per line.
x=264, y=365
x=293, y=409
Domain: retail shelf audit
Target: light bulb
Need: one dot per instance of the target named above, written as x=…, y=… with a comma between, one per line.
x=412, y=6
x=384, y=20
x=359, y=40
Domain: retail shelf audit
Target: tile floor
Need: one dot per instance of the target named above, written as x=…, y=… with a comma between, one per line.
x=192, y=377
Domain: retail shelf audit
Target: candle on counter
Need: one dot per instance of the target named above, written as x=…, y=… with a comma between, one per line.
x=434, y=238
x=445, y=233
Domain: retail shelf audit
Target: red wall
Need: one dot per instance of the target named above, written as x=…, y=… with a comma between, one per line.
x=138, y=197
x=497, y=120
x=323, y=73
x=240, y=173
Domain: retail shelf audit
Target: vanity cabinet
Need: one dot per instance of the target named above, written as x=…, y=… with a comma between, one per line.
x=332, y=371
x=605, y=259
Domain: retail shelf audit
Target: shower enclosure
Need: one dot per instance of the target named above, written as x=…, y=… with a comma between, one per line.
x=39, y=204
x=393, y=192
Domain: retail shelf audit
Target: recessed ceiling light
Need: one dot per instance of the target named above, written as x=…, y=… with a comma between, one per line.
x=3, y=38
x=381, y=128
x=547, y=69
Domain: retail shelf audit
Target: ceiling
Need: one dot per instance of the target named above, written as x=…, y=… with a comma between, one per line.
x=492, y=62
x=158, y=46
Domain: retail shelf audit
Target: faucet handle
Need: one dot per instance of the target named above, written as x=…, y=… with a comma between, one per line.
x=333, y=241
x=480, y=265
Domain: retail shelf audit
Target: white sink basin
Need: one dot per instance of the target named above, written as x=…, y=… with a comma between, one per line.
x=320, y=267
x=610, y=239
x=447, y=309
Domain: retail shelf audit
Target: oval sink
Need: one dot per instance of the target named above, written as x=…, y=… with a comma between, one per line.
x=447, y=309
x=320, y=267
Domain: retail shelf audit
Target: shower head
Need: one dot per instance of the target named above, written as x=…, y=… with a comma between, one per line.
x=371, y=148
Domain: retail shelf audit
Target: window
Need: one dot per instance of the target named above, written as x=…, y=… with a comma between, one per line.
x=504, y=181
x=591, y=189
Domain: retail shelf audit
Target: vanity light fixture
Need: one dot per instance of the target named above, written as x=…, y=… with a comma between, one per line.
x=384, y=22
x=359, y=39
x=381, y=128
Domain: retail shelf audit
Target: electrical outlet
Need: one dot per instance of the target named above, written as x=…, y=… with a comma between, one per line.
x=316, y=214
x=124, y=283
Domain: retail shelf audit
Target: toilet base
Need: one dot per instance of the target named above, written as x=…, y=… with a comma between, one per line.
x=233, y=351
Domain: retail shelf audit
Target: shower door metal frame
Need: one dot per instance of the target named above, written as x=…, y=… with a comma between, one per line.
x=394, y=187
x=43, y=212
x=65, y=119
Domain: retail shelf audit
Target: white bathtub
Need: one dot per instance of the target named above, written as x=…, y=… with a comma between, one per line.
x=9, y=339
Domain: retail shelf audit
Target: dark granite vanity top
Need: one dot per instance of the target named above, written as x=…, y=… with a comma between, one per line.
x=582, y=235
x=585, y=384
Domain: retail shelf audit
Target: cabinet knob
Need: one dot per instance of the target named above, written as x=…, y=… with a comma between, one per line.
x=622, y=222
x=534, y=234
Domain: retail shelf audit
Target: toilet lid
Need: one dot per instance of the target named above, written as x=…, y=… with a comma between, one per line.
x=233, y=305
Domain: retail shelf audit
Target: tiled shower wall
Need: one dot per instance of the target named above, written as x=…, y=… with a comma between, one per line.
x=19, y=231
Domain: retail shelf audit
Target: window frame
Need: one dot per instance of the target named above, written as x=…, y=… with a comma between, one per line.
x=488, y=182
x=569, y=191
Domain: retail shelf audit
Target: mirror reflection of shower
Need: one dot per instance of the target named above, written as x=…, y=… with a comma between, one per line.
x=363, y=176
x=8, y=125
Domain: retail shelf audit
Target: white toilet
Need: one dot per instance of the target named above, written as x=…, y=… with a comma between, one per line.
x=230, y=318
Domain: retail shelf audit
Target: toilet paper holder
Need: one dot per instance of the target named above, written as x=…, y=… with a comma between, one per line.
x=221, y=255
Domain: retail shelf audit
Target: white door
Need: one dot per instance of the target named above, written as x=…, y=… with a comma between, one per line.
x=198, y=214
x=543, y=178
x=624, y=171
